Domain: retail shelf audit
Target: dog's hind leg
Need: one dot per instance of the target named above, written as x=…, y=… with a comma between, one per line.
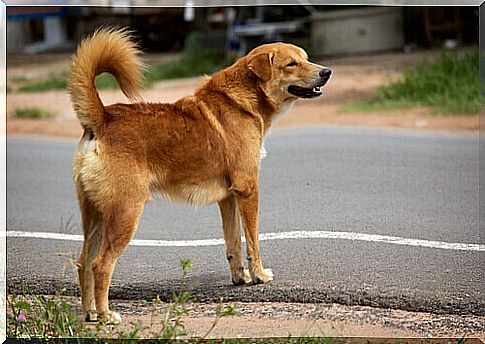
x=118, y=227
x=91, y=222
x=231, y=225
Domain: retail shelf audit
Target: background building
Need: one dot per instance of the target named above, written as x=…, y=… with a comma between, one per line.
x=323, y=30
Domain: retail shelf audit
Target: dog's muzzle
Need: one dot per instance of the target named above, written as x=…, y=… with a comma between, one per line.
x=314, y=91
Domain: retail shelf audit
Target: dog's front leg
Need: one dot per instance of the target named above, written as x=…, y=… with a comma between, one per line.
x=248, y=204
x=232, y=236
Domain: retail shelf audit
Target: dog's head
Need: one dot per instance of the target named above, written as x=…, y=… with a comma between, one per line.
x=285, y=73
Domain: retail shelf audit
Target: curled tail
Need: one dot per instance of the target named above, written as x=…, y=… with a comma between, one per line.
x=107, y=50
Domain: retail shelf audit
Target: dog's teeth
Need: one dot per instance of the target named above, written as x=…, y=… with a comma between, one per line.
x=316, y=89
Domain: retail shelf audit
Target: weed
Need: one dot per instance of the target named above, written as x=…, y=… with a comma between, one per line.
x=53, y=82
x=42, y=316
x=221, y=311
x=449, y=85
x=172, y=325
x=32, y=113
x=191, y=64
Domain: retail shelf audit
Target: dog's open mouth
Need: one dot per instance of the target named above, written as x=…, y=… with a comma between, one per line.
x=303, y=92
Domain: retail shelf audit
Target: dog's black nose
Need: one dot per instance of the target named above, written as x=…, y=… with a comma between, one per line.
x=325, y=73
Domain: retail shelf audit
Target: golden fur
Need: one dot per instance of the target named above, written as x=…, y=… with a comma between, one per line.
x=202, y=149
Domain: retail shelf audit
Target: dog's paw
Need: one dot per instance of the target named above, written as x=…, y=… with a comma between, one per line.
x=110, y=318
x=242, y=277
x=91, y=316
x=265, y=276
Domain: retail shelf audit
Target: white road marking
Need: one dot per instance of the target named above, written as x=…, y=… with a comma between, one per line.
x=272, y=236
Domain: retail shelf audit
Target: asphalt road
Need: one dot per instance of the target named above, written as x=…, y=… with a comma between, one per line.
x=406, y=184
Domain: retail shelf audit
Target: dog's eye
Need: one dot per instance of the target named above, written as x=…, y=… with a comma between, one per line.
x=292, y=64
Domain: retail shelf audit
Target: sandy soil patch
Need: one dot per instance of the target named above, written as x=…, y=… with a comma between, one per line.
x=276, y=319
x=266, y=319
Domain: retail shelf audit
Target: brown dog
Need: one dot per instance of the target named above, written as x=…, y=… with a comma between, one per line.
x=201, y=149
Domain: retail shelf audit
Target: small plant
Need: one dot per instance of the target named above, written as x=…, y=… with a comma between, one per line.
x=221, y=312
x=42, y=316
x=135, y=332
x=191, y=64
x=172, y=325
x=53, y=82
x=449, y=85
x=32, y=113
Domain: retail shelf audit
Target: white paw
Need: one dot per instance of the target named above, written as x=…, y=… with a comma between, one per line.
x=111, y=318
x=237, y=279
x=264, y=276
x=269, y=274
x=247, y=276
x=115, y=318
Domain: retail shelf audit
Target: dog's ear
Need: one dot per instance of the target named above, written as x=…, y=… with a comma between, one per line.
x=261, y=65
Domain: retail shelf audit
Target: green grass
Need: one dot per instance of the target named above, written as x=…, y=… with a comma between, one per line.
x=53, y=82
x=449, y=86
x=106, y=80
x=32, y=113
x=40, y=316
x=190, y=64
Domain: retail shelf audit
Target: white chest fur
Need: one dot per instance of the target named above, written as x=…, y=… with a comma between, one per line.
x=285, y=108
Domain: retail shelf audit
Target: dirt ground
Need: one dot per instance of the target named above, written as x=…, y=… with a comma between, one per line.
x=353, y=78
x=284, y=319
x=266, y=319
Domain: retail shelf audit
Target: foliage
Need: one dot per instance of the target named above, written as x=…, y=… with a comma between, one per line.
x=42, y=316
x=449, y=85
x=191, y=64
x=53, y=82
x=32, y=113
